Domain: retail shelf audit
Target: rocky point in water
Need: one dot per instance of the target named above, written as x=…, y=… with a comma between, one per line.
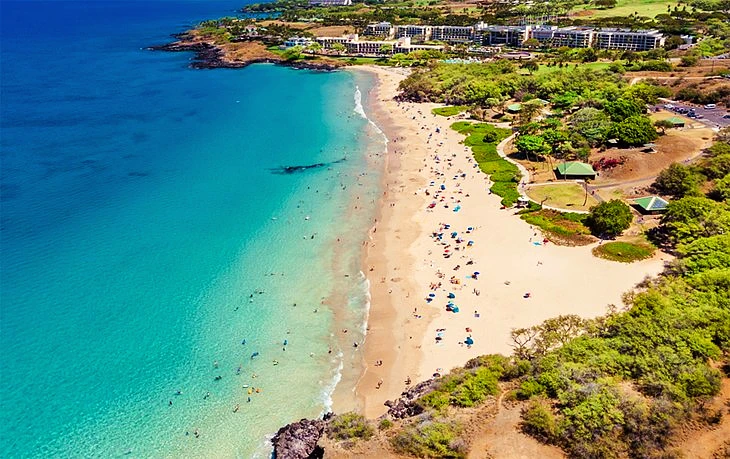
x=299, y=440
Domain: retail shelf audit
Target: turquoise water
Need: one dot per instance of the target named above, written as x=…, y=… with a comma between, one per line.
x=145, y=236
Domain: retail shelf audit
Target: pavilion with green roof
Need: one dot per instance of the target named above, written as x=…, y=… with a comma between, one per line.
x=575, y=170
x=651, y=204
x=676, y=121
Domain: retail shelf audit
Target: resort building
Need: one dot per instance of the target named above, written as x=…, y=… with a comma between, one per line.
x=500, y=35
x=330, y=2
x=367, y=47
x=404, y=45
x=327, y=42
x=452, y=34
x=572, y=37
x=297, y=41
x=381, y=29
x=416, y=32
x=638, y=40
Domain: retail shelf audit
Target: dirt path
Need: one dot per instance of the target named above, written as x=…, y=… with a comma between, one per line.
x=502, y=438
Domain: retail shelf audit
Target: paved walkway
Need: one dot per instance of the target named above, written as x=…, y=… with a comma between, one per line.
x=525, y=178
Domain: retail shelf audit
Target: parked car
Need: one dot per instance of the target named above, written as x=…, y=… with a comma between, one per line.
x=726, y=116
x=710, y=106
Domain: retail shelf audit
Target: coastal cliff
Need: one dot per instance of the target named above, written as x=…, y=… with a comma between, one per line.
x=211, y=53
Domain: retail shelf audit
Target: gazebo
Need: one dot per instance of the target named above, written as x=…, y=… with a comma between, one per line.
x=676, y=121
x=575, y=170
x=651, y=204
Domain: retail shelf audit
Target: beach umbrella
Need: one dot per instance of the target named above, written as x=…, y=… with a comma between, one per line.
x=451, y=295
x=455, y=309
x=432, y=295
x=469, y=341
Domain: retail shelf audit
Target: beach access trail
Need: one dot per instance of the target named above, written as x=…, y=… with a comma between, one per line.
x=432, y=181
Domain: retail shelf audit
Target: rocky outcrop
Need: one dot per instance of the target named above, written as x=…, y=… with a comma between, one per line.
x=405, y=406
x=212, y=55
x=299, y=440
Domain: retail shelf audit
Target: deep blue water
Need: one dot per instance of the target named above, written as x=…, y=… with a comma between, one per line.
x=140, y=217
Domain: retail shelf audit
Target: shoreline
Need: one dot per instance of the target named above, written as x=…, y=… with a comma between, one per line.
x=404, y=264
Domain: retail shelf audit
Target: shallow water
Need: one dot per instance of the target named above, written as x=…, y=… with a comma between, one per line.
x=144, y=237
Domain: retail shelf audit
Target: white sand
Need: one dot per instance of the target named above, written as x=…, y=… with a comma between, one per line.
x=560, y=280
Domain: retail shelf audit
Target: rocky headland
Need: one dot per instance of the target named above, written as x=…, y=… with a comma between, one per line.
x=211, y=53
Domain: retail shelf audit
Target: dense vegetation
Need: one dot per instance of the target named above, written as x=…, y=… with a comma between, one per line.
x=588, y=107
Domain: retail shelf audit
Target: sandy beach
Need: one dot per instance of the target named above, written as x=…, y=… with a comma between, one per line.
x=414, y=274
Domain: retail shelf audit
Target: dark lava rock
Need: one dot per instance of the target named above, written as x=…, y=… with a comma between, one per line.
x=405, y=406
x=299, y=440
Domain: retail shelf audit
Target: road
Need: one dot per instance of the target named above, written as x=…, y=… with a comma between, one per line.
x=711, y=117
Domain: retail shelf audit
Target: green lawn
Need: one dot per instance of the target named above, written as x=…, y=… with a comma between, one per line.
x=624, y=252
x=450, y=110
x=483, y=139
x=563, y=195
x=562, y=228
x=544, y=69
x=646, y=8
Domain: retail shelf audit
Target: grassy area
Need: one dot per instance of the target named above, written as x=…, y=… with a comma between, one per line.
x=646, y=8
x=362, y=60
x=449, y=110
x=544, y=69
x=568, y=195
x=625, y=252
x=563, y=228
x=483, y=139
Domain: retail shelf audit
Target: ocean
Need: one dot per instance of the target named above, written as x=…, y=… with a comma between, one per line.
x=165, y=289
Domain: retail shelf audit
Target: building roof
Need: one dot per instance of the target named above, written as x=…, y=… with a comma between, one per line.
x=575, y=168
x=650, y=203
x=675, y=120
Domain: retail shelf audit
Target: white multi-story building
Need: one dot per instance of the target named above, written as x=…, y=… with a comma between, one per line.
x=327, y=42
x=330, y=2
x=452, y=34
x=490, y=35
x=636, y=40
x=404, y=45
x=297, y=41
x=416, y=32
x=381, y=29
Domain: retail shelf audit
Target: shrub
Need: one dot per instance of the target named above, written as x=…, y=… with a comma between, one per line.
x=623, y=251
x=385, y=424
x=349, y=426
x=539, y=421
x=430, y=439
x=609, y=218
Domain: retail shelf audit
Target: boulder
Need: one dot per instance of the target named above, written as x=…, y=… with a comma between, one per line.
x=405, y=406
x=299, y=440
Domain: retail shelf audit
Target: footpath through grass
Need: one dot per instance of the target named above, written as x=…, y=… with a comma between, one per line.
x=483, y=139
x=625, y=252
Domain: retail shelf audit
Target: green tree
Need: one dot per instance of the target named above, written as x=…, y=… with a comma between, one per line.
x=663, y=125
x=293, y=53
x=623, y=108
x=722, y=188
x=591, y=123
x=386, y=49
x=635, y=130
x=677, y=180
x=531, y=66
x=609, y=218
x=314, y=47
x=693, y=217
x=532, y=145
x=339, y=47
x=529, y=110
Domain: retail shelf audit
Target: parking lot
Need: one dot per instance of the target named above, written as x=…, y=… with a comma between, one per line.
x=713, y=117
